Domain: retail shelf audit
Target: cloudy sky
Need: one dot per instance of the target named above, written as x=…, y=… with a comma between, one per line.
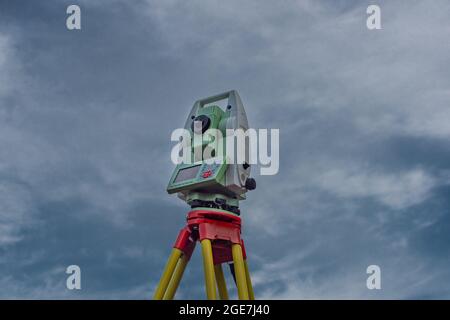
x=364, y=119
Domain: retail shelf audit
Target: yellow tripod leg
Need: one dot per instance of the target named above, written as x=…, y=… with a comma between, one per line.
x=221, y=284
x=251, y=294
x=208, y=265
x=239, y=271
x=176, y=278
x=167, y=274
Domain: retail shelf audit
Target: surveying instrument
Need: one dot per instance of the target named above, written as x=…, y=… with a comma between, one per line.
x=213, y=190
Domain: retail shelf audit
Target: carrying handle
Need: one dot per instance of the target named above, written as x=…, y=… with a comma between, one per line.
x=237, y=112
x=217, y=97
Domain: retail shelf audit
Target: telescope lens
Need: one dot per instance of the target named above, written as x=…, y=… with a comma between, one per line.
x=200, y=124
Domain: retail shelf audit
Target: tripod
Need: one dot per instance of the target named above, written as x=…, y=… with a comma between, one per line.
x=219, y=233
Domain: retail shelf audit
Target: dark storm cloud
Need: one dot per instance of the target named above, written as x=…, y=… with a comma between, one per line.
x=86, y=118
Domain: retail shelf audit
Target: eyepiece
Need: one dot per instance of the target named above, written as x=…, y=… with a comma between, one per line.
x=200, y=124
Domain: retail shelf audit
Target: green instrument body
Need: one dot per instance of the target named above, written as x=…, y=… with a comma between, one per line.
x=218, y=183
x=200, y=175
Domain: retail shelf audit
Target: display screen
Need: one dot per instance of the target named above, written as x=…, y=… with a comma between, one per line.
x=187, y=173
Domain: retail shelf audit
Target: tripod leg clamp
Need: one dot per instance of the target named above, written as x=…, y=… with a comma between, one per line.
x=186, y=242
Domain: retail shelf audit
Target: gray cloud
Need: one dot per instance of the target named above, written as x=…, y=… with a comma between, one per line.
x=85, y=144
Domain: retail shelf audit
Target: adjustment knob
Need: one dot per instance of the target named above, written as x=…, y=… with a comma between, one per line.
x=250, y=184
